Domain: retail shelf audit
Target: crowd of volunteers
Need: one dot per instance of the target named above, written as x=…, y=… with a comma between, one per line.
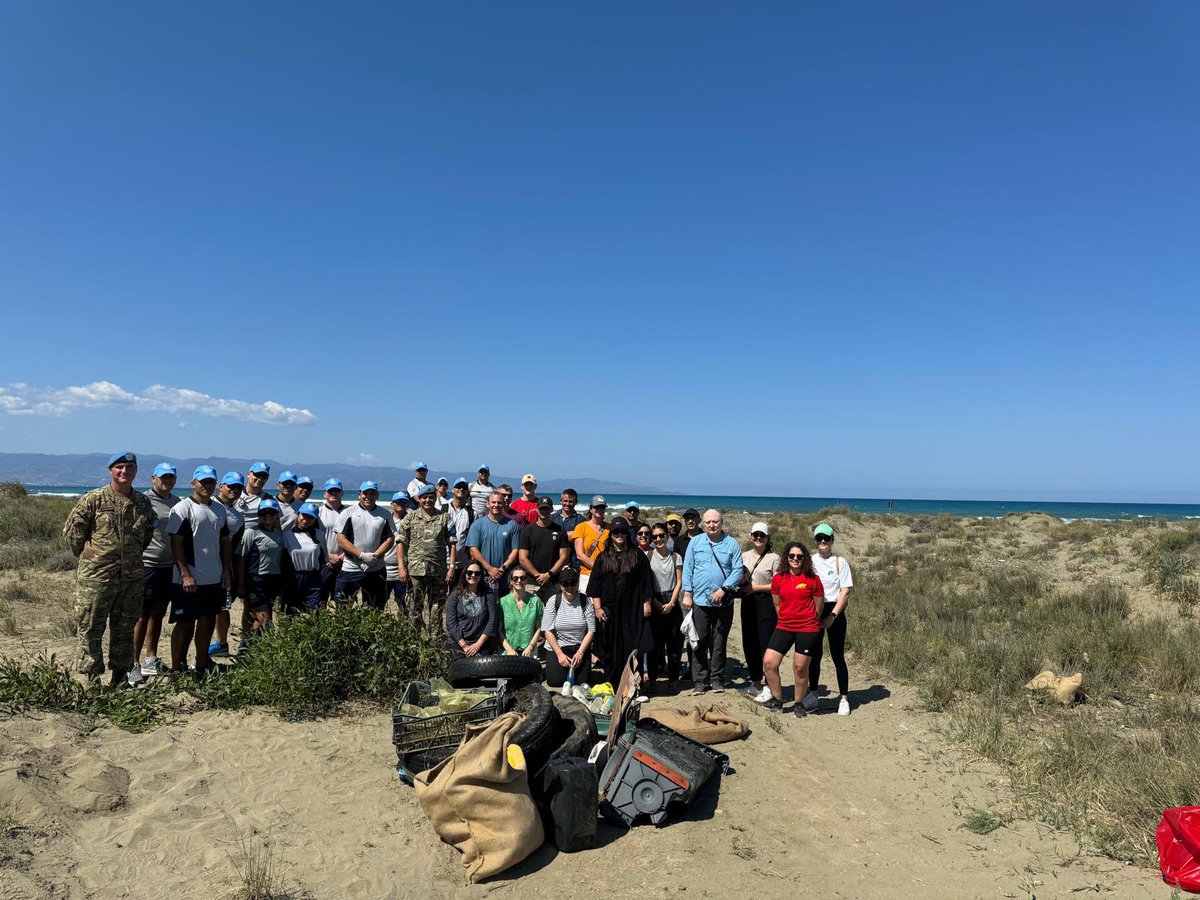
x=492, y=574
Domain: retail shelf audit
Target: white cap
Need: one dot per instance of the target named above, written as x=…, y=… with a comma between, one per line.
x=760, y=526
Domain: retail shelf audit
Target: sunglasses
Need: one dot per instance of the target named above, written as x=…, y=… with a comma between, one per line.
x=797, y=556
x=758, y=536
x=824, y=540
x=569, y=582
x=474, y=573
x=643, y=534
x=518, y=578
x=659, y=536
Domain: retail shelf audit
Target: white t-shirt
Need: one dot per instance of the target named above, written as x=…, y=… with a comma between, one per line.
x=306, y=549
x=366, y=530
x=415, y=485
x=834, y=574
x=202, y=528
x=329, y=520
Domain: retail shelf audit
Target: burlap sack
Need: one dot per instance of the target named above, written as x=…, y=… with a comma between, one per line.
x=479, y=802
x=711, y=725
x=1064, y=687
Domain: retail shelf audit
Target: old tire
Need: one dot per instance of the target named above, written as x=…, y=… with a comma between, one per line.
x=536, y=734
x=424, y=760
x=578, y=734
x=471, y=671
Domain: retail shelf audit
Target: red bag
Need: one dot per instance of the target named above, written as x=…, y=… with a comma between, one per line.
x=1178, y=839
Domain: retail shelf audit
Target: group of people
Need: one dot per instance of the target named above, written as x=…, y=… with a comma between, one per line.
x=498, y=574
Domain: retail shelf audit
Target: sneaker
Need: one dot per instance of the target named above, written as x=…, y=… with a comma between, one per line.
x=751, y=690
x=773, y=705
x=218, y=651
x=764, y=695
x=152, y=667
x=698, y=690
x=799, y=711
x=717, y=688
x=810, y=700
x=135, y=677
x=844, y=707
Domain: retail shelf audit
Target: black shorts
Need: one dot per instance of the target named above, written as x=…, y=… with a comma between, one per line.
x=805, y=642
x=263, y=591
x=204, y=603
x=157, y=583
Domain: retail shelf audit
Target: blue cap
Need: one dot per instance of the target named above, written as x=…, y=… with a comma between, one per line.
x=333, y=483
x=204, y=472
x=419, y=466
x=268, y=503
x=461, y=481
x=400, y=497
x=633, y=504
x=369, y=486
x=287, y=475
x=426, y=490
x=309, y=509
x=233, y=478
x=485, y=468
x=260, y=466
x=164, y=468
x=125, y=456
x=304, y=479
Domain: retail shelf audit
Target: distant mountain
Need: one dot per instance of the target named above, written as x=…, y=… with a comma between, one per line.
x=88, y=468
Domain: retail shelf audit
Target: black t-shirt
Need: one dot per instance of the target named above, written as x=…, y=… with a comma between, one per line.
x=681, y=543
x=543, y=544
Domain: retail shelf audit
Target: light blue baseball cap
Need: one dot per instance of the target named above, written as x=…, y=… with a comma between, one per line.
x=633, y=504
x=164, y=468
x=304, y=479
x=203, y=473
x=260, y=467
x=369, y=486
x=233, y=478
x=125, y=456
x=419, y=466
x=485, y=468
x=400, y=497
x=331, y=483
x=287, y=475
x=268, y=503
x=309, y=509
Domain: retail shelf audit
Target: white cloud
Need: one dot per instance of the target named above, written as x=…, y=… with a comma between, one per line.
x=365, y=459
x=24, y=400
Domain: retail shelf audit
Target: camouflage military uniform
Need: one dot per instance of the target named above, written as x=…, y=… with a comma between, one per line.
x=108, y=532
x=427, y=545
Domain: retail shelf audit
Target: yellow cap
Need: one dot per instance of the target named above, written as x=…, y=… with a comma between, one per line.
x=525, y=478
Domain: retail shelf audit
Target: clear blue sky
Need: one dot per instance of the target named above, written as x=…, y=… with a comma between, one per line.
x=880, y=249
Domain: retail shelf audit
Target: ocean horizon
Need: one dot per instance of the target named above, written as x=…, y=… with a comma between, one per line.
x=986, y=509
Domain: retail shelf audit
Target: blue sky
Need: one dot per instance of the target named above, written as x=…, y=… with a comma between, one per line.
x=890, y=249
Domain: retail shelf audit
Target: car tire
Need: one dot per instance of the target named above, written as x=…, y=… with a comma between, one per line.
x=472, y=671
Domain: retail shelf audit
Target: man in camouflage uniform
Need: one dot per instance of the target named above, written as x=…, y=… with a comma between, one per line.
x=108, y=529
x=424, y=542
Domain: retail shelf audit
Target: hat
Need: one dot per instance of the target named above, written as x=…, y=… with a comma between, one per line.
x=633, y=504
x=691, y=514
x=599, y=500
x=369, y=486
x=484, y=469
x=233, y=478
x=529, y=477
x=287, y=475
x=125, y=456
x=260, y=467
x=568, y=573
x=268, y=504
x=824, y=528
x=620, y=523
x=419, y=466
x=331, y=483
x=426, y=490
x=760, y=526
x=204, y=472
x=164, y=468
x=545, y=503
x=463, y=482
x=309, y=509
x=444, y=481
x=400, y=497
x=674, y=517
x=304, y=479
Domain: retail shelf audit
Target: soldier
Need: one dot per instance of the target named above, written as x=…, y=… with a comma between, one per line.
x=424, y=542
x=108, y=529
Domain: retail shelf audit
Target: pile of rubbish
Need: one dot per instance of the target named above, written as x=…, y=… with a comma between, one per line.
x=501, y=764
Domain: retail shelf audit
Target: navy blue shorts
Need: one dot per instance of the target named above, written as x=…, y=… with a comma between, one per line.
x=262, y=592
x=203, y=603
x=157, y=583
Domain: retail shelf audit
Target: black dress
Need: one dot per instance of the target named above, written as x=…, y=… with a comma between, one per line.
x=623, y=583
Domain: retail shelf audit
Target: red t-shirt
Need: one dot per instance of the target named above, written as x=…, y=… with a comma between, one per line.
x=797, y=595
x=527, y=508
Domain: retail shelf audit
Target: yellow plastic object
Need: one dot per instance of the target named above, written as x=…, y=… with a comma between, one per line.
x=605, y=688
x=516, y=756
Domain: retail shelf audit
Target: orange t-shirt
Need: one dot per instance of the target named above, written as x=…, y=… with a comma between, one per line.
x=590, y=533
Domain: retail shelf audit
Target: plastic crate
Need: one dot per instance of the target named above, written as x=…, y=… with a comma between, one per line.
x=411, y=734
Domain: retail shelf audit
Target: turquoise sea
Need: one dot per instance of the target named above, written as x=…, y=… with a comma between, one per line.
x=974, y=508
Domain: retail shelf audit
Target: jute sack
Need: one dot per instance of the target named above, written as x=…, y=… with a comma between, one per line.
x=478, y=800
x=713, y=725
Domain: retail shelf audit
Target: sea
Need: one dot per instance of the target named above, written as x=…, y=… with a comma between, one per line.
x=983, y=509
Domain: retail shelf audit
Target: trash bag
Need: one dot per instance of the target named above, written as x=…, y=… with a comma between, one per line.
x=711, y=725
x=478, y=800
x=1178, y=838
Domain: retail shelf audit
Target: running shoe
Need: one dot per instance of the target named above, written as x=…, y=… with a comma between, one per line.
x=717, y=688
x=134, y=676
x=799, y=711
x=764, y=695
x=844, y=707
x=773, y=705
x=699, y=690
x=751, y=690
x=152, y=667
x=218, y=650
x=810, y=700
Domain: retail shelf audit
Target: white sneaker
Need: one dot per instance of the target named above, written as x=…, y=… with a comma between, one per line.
x=843, y=707
x=751, y=690
x=134, y=676
x=764, y=695
x=152, y=667
x=810, y=700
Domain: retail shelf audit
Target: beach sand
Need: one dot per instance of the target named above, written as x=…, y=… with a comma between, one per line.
x=860, y=807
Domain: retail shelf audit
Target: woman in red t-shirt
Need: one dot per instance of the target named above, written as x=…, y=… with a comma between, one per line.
x=798, y=594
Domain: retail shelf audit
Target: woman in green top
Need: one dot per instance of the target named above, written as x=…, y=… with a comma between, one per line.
x=520, y=617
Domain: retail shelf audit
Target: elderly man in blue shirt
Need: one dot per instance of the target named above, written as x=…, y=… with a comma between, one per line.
x=712, y=570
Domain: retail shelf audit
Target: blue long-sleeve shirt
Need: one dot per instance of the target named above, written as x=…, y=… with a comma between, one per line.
x=708, y=566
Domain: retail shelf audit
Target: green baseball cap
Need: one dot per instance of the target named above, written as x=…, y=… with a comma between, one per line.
x=824, y=528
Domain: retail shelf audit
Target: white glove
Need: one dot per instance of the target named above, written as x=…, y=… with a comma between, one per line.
x=366, y=558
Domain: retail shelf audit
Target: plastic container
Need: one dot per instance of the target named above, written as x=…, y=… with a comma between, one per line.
x=411, y=733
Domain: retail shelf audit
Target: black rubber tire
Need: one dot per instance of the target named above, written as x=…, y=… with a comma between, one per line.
x=423, y=760
x=471, y=671
x=536, y=734
x=580, y=734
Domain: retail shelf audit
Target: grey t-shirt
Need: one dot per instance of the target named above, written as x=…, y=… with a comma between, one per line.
x=263, y=551
x=157, y=554
x=366, y=530
x=306, y=549
x=247, y=505
x=663, y=568
x=329, y=520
